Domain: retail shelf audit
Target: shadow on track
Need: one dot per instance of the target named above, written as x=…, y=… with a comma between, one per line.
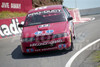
x=16, y=54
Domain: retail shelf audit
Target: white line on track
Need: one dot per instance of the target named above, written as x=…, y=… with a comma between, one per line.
x=68, y=64
x=93, y=18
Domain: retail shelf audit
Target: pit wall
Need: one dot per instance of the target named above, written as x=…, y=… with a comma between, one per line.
x=9, y=27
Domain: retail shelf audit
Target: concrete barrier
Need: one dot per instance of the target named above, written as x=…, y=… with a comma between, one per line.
x=90, y=11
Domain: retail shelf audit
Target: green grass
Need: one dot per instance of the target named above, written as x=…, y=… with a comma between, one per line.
x=96, y=57
x=99, y=66
x=8, y=14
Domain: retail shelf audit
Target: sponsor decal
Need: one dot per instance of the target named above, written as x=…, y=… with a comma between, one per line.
x=39, y=8
x=15, y=5
x=44, y=12
x=11, y=29
x=11, y=5
x=38, y=50
x=46, y=25
x=38, y=33
x=45, y=43
x=45, y=49
x=49, y=48
x=49, y=31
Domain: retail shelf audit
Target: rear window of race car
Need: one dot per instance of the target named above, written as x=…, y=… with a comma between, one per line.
x=49, y=16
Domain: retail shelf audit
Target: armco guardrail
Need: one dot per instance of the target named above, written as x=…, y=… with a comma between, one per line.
x=90, y=11
x=9, y=27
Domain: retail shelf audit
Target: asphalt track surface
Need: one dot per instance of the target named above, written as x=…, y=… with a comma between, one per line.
x=11, y=56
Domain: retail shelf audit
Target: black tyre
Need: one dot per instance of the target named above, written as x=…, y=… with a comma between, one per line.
x=24, y=54
x=74, y=37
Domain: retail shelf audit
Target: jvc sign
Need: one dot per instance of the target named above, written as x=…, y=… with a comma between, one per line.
x=15, y=5
x=12, y=5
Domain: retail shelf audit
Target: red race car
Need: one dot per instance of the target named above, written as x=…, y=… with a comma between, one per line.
x=47, y=28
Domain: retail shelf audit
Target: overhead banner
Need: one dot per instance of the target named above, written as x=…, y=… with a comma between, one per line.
x=15, y=5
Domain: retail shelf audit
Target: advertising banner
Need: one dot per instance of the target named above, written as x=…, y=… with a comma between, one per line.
x=9, y=27
x=15, y=5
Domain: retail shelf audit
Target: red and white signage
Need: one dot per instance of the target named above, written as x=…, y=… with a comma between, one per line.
x=9, y=27
x=76, y=16
x=15, y=5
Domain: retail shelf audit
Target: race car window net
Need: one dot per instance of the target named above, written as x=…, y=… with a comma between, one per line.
x=49, y=16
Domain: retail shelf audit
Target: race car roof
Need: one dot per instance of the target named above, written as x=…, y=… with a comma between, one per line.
x=45, y=8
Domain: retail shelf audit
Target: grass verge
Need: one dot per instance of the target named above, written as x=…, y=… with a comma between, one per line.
x=8, y=14
x=96, y=57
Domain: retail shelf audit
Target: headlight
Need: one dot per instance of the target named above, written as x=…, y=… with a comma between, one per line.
x=60, y=35
x=28, y=39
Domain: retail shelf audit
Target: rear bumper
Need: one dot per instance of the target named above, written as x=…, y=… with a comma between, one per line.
x=55, y=44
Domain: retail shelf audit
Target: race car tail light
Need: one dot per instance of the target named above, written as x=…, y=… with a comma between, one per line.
x=60, y=35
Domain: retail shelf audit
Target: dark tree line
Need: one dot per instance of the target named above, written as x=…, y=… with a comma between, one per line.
x=38, y=3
